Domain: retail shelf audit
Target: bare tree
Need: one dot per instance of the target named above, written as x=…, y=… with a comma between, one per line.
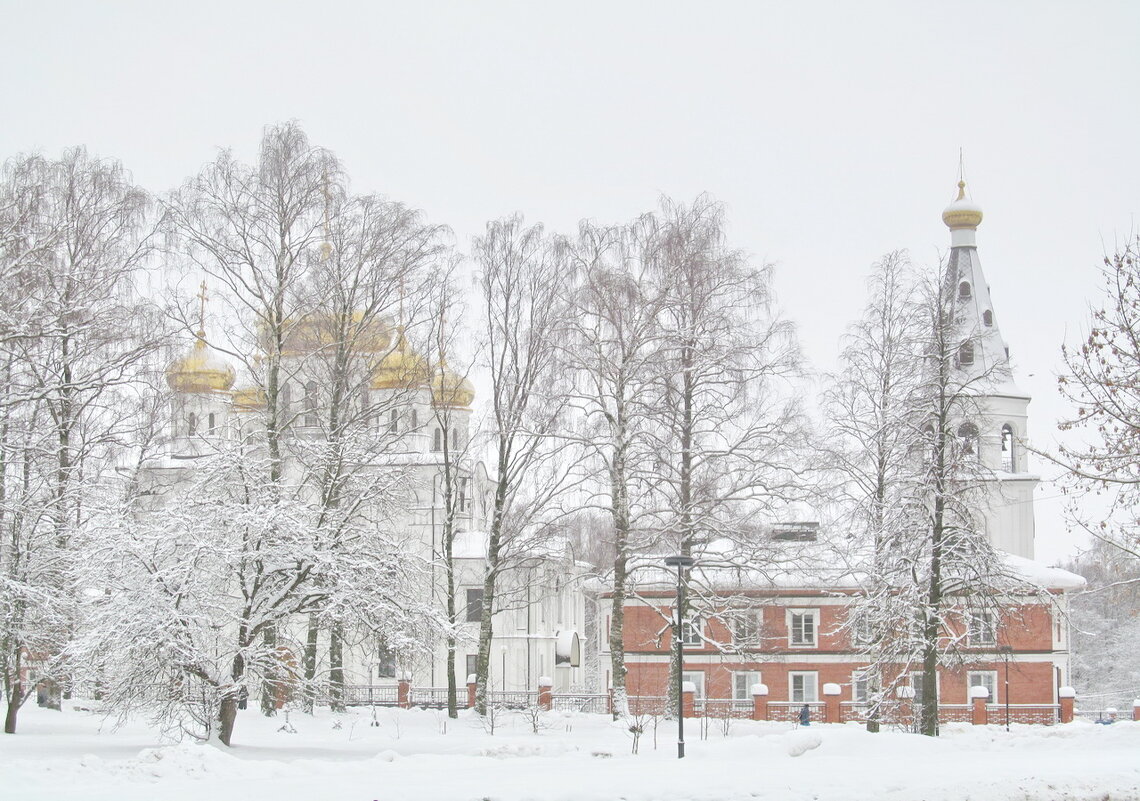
x=615, y=336
x=73, y=333
x=1100, y=379
x=727, y=427
x=523, y=313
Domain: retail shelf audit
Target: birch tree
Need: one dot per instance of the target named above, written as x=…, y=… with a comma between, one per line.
x=615, y=336
x=727, y=427
x=73, y=333
x=523, y=313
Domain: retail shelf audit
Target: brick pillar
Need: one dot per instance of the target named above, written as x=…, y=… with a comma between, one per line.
x=471, y=691
x=688, y=699
x=831, y=702
x=759, y=701
x=1136, y=709
x=1067, y=696
x=610, y=700
x=979, y=715
x=403, y=692
x=545, y=694
x=906, y=705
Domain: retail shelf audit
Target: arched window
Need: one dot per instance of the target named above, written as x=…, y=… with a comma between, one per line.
x=211, y=425
x=455, y=439
x=987, y=318
x=968, y=439
x=311, y=419
x=394, y=421
x=437, y=440
x=192, y=424
x=966, y=354
x=1008, y=456
x=964, y=290
x=415, y=420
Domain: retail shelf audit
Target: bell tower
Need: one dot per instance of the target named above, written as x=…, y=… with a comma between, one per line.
x=983, y=358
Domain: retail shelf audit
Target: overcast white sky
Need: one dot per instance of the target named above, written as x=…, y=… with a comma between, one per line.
x=830, y=130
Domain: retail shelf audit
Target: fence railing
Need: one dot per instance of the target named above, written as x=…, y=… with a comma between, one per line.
x=598, y=703
x=724, y=708
x=1040, y=714
x=789, y=711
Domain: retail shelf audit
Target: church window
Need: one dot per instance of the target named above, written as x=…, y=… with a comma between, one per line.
x=455, y=439
x=394, y=421
x=211, y=426
x=415, y=420
x=192, y=424
x=284, y=399
x=964, y=290
x=311, y=404
x=966, y=354
x=366, y=408
x=987, y=318
x=1008, y=461
x=437, y=440
x=968, y=437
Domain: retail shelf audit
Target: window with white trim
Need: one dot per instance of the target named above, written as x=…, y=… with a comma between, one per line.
x=918, y=684
x=803, y=625
x=691, y=631
x=861, y=686
x=745, y=626
x=697, y=677
x=983, y=678
x=803, y=686
x=981, y=629
x=742, y=681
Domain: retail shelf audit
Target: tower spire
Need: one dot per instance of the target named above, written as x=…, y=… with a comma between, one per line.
x=202, y=297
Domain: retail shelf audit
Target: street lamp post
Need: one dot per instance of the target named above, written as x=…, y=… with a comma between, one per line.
x=1006, y=650
x=681, y=562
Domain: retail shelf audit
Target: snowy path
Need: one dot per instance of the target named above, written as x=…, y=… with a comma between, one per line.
x=64, y=756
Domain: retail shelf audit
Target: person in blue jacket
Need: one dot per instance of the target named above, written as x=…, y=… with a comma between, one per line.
x=805, y=716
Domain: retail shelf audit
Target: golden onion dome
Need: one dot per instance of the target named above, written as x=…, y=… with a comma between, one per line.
x=319, y=332
x=449, y=389
x=962, y=213
x=200, y=371
x=401, y=367
x=249, y=399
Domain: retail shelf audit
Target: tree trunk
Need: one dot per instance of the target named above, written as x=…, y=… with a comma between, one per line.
x=336, y=667
x=310, y=659
x=227, y=714
x=15, y=698
x=271, y=683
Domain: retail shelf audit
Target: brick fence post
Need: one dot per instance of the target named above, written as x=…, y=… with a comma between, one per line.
x=1136, y=709
x=906, y=705
x=688, y=699
x=403, y=692
x=545, y=694
x=831, y=693
x=471, y=691
x=610, y=700
x=979, y=715
x=1067, y=697
x=759, y=701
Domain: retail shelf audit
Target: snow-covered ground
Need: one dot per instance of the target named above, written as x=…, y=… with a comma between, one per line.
x=420, y=755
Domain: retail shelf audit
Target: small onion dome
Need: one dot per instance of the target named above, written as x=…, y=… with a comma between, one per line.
x=449, y=389
x=200, y=371
x=401, y=367
x=249, y=399
x=962, y=213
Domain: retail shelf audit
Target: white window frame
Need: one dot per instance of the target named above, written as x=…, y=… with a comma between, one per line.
x=972, y=680
x=813, y=614
x=916, y=676
x=691, y=632
x=697, y=677
x=810, y=682
x=988, y=627
x=742, y=681
x=861, y=678
x=745, y=627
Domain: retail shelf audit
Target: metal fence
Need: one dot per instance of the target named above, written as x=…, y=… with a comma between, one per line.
x=598, y=703
x=789, y=711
